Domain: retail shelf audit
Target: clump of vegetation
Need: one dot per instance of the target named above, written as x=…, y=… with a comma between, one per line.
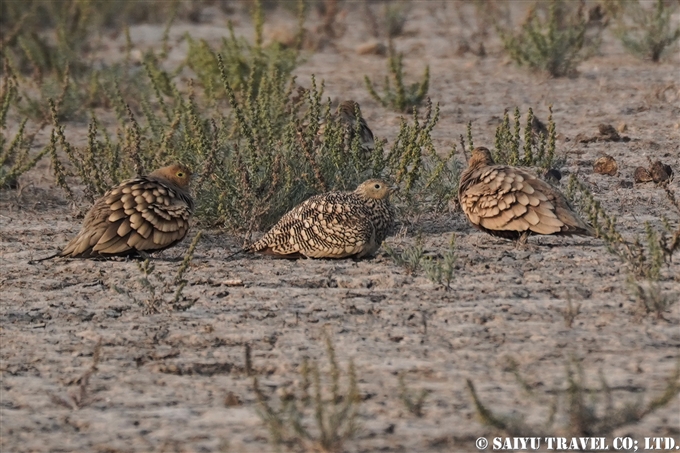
x=314, y=416
x=580, y=406
x=552, y=41
x=410, y=258
x=401, y=98
x=645, y=32
x=81, y=397
x=396, y=14
x=414, y=401
x=538, y=147
x=156, y=286
x=570, y=312
x=439, y=269
x=645, y=257
x=15, y=150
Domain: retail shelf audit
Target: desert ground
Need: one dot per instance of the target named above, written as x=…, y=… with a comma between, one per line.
x=178, y=381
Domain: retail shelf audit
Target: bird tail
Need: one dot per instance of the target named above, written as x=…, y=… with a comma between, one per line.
x=45, y=259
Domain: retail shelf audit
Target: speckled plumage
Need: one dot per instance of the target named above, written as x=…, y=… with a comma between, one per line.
x=143, y=214
x=509, y=202
x=347, y=115
x=333, y=225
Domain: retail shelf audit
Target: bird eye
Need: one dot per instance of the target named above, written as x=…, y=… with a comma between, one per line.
x=180, y=174
x=377, y=186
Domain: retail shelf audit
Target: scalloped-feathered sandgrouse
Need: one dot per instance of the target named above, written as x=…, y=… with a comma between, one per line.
x=143, y=214
x=333, y=225
x=510, y=202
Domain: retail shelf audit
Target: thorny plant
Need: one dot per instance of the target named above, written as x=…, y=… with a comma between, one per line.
x=81, y=397
x=646, y=32
x=313, y=416
x=156, y=285
x=401, y=98
x=554, y=42
x=584, y=414
x=414, y=401
x=645, y=257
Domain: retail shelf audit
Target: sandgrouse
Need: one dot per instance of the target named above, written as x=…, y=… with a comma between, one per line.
x=510, y=202
x=347, y=115
x=144, y=214
x=333, y=225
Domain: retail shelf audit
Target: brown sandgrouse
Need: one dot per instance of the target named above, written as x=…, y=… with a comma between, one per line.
x=509, y=202
x=347, y=115
x=333, y=225
x=143, y=214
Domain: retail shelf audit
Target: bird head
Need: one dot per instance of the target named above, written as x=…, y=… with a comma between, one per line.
x=376, y=189
x=349, y=109
x=177, y=174
x=480, y=157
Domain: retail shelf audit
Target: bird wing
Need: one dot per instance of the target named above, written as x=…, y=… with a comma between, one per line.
x=510, y=199
x=140, y=214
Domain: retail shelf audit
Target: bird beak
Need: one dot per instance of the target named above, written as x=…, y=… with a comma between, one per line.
x=394, y=189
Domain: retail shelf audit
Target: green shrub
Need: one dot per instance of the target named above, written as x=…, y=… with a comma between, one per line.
x=533, y=147
x=554, y=42
x=647, y=32
x=310, y=415
x=15, y=151
x=584, y=410
x=401, y=98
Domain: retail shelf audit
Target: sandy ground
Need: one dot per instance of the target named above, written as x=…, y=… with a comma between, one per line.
x=163, y=380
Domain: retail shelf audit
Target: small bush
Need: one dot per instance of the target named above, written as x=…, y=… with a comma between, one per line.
x=413, y=400
x=554, y=42
x=538, y=147
x=157, y=287
x=15, y=156
x=396, y=14
x=580, y=405
x=333, y=410
x=400, y=98
x=439, y=269
x=645, y=257
x=646, y=32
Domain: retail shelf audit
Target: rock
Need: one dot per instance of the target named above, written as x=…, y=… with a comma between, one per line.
x=641, y=175
x=660, y=172
x=606, y=165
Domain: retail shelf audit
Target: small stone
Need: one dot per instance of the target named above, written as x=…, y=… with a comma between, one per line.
x=660, y=172
x=606, y=165
x=641, y=175
x=608, y=133
x=232, y=400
